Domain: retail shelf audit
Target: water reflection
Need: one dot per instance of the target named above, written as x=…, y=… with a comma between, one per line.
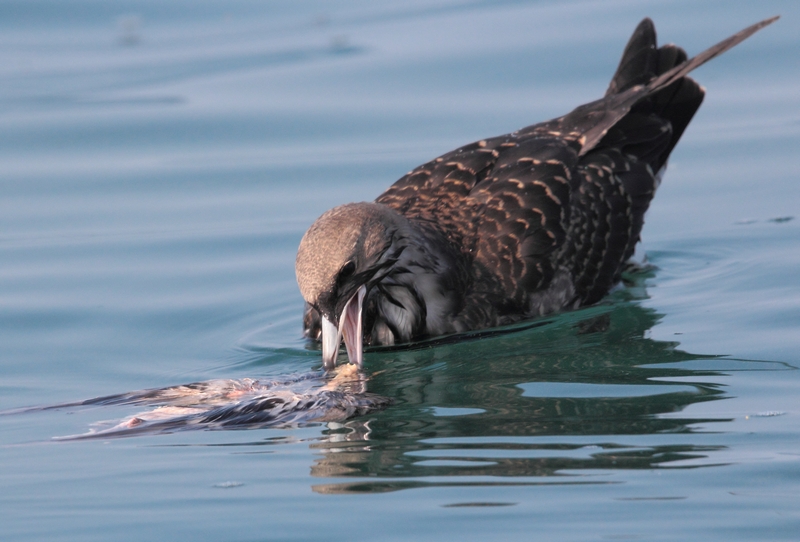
x=559, y=401
x=552, y=401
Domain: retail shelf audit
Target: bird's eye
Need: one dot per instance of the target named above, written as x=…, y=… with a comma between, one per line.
x=347, y=270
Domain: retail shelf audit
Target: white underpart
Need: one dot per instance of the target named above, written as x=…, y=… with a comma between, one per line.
x=639, y=256
x=658, y=176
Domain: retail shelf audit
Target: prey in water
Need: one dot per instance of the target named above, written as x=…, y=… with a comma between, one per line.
x=246, y=403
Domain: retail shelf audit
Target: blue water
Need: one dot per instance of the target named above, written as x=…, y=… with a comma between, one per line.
x=159, y=162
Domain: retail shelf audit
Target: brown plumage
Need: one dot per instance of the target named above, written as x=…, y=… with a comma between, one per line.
x=526, y=224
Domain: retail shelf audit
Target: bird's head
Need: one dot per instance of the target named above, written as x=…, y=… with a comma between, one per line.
x=341, y=256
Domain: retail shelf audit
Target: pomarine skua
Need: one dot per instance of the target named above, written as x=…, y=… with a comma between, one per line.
x=511, y=227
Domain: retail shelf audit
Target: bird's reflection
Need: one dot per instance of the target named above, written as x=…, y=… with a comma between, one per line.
x=584, y=391
x=549, y=401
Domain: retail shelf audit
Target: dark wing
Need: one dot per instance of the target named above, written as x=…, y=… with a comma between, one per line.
x=439, y=192
x=629, y=135
x=503, y=201
x=607, y=214
x=568, y=194
x=620, y=172
x=525, y=211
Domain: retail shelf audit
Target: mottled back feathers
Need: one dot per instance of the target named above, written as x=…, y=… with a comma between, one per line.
x=544, y=218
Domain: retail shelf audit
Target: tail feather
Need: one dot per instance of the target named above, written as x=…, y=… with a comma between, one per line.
x=670, y=90
x=674, y=104
x=677, y=103
x=639, y=61
x=653, y=126
x=642, y=131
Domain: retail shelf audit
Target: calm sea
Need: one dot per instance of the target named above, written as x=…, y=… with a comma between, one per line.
x=159, y=162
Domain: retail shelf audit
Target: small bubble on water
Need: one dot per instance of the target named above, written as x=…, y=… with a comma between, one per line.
x=228, y=485
x=766, y=414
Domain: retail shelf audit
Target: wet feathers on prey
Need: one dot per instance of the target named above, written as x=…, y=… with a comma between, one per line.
x=511, y=227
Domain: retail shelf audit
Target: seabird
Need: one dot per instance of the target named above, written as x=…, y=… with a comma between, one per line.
x=512, y=227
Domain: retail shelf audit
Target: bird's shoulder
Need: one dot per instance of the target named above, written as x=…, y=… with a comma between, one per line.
x=524, y=204
x=455, y=191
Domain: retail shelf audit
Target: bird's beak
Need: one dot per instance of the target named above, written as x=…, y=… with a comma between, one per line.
x=349, y=328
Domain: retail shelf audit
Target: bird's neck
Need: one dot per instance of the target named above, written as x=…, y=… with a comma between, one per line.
x=422, y=291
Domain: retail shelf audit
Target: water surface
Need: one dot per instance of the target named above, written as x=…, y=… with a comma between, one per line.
x=160, y=163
